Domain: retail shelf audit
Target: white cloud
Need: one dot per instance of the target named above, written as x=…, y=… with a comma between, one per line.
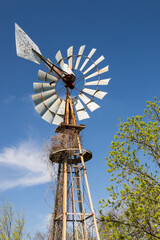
x=22, y=165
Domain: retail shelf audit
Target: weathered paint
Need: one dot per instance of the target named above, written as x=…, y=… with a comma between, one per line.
x=24, y=46
x=39, y=87
x=43, y=76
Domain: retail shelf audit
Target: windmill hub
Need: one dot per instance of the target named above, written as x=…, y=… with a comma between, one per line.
x=69, y=80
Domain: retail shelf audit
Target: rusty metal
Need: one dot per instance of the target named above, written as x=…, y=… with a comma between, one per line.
x=59, y=155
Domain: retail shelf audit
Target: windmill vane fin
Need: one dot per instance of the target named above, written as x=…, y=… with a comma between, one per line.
x=24, y=46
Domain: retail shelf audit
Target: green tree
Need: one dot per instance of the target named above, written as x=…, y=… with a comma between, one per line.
x=133, y=208
x=11, y=223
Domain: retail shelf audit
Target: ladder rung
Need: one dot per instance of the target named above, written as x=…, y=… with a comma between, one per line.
x=75, y=177
x=76, y=166
x=78, y=189
x=78, y=201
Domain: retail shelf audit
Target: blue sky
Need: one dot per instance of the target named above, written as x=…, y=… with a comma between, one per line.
x=126, y=32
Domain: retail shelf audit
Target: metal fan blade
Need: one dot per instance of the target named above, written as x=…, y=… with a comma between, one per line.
x=78, y=105
x=89, y=103
x=61, y=109
x=70, y=56
x=82, y=114
x=43, y=76
x=40, y=87
x=84, y=98
x=24, y=46
x=58, y=119
x=59, y=59
x=48, y=116
x=103, y=70
x=41, y=108
x=94, y=64
x=98, y=82
x=92, y=106
x=80, y=53
x=55, y=106
x=39, y=97
x=89, y=56
x=49, y=101
x=95, y=93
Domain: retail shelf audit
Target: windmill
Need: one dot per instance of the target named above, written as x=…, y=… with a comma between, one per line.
x=65, y=75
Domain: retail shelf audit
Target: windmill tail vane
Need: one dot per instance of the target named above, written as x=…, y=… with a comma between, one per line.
x=71, y=216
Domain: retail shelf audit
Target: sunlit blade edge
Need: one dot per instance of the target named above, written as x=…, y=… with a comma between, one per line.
x=80, y=53
x=70, y=54
x=95, y=93
x=82, y=114
x=98, y=82
x=103, y=70
x=100, y=59
x=92, y=106
x=89, y=56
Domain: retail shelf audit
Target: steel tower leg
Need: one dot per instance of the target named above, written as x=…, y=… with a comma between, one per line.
x=72, y=157
x=88, y=190
x=64, y=200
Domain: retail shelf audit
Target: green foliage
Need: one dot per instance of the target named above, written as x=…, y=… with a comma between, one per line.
x=11, y=223
x=133, y=209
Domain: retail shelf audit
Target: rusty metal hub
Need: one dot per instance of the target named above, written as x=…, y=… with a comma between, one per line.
x=69, y=80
